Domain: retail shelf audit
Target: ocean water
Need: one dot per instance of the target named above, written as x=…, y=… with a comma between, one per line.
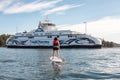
x=78, y=64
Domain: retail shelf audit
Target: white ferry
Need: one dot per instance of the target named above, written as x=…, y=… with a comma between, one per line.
x=43, y=37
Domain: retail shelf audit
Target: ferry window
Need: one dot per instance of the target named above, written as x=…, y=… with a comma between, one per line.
x=76, y=36
x=69, y=35
x=30, y=36
x=49, y=24
x=36, y=34
x=41, y=34
x=58, y=36
x=15, y=37
x=49, y=36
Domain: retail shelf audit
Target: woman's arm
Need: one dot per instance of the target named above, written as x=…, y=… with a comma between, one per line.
x=58, y=44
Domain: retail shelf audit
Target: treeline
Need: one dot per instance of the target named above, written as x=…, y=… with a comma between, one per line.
x=3, y=39
x=109, y=44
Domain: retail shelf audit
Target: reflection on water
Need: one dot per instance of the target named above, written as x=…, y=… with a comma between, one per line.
x=57, y=67
x=79, y=64
x=57, y=70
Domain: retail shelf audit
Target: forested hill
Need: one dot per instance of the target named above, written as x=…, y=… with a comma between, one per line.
x=4, y=37
x=109, y=44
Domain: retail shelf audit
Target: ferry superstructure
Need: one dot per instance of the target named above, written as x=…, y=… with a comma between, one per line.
x=43, y=37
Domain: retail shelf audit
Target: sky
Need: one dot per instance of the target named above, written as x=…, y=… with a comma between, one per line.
x=101, y=17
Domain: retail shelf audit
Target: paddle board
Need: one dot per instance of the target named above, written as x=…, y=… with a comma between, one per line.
x=55, y=59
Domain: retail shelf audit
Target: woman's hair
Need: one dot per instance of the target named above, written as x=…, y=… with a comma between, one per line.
x=55, y=38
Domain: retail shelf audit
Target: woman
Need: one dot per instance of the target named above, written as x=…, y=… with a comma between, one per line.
x=56, y=46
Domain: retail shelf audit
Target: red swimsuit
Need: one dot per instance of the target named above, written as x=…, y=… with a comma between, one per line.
x=55, y=45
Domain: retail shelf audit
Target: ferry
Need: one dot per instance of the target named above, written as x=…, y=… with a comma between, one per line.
x=43, y=36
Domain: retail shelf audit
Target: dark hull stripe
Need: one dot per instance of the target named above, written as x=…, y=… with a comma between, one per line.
x=73, y=46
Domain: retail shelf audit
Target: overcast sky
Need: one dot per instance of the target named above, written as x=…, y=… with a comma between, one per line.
x=102, y=17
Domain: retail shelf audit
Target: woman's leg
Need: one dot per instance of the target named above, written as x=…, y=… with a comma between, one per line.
x=58, y=54
x=53, y=53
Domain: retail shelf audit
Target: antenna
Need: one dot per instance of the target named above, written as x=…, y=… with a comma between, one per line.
x=46, y=18
x=39, y=25
x=85, y=27
x=16, y=29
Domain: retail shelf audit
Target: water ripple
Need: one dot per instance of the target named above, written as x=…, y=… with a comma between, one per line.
x=7, y=61
x=10, y=78
x=90, y=75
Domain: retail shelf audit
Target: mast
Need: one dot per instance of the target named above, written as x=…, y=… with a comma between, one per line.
x=39, y=25
x=85, y=27
x=47, y=18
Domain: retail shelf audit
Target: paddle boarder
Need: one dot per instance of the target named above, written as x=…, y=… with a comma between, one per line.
x=56, y=46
